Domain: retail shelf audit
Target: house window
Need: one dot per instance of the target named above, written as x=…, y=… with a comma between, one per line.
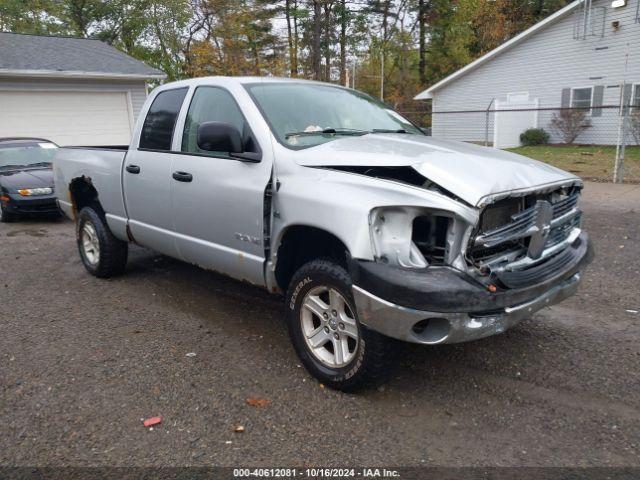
x=635, y=101
x=581, y=97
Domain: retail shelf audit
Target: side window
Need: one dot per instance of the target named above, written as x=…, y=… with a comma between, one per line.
x=157, y=128
x=213, y=104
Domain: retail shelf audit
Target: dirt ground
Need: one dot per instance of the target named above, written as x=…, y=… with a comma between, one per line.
x=83, y=360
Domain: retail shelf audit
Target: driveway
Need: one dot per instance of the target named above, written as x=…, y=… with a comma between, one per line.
x=83, y=360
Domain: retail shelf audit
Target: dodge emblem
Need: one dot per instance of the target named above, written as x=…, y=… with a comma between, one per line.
x=542, y=228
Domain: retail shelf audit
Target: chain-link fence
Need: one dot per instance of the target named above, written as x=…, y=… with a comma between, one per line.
x=597, y=143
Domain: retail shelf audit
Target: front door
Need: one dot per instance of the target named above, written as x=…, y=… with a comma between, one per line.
x=218, y=201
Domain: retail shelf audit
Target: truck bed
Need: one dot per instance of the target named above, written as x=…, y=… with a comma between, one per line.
x=102, y=167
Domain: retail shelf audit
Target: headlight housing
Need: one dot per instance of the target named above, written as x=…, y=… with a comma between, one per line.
x=30, y=192
x=409, y=237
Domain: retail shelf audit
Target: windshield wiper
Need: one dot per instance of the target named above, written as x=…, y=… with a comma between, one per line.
x=24, y=167
x=389, y=130
x=326, y=131
x=11, y=167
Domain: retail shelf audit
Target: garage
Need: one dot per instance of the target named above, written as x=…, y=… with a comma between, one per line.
x=67, y=118
x=73, y=91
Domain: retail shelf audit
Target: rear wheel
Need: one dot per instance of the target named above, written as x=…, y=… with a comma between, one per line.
x=326, y=332
x=102, y=254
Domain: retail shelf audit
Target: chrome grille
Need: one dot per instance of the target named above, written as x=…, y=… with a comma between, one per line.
x=565, y=205
x=520, y=224
x=507, y=247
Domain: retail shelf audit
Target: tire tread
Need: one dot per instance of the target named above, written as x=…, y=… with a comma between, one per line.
x=113, y=252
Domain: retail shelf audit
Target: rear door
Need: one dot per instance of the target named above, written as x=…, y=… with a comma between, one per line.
x=147, y=178
x=219, y=211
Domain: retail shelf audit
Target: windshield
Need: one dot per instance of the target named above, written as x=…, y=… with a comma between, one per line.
x=303, y=115
x=20, y=154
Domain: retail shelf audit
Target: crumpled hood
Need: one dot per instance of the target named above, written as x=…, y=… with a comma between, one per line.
x=468, y=171
x=30, y=178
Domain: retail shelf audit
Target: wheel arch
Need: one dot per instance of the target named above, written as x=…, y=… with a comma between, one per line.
x=300, y=243
x=82, y=193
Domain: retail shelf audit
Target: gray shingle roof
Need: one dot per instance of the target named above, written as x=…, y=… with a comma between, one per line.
x=67, y=54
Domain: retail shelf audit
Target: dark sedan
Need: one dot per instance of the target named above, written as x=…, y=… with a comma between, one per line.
x=26, y=178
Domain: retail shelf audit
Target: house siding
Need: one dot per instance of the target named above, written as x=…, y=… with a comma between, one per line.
x=136, y=89
x=544, y=64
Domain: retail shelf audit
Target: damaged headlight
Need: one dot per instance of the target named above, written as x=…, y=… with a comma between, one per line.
x=409, y=237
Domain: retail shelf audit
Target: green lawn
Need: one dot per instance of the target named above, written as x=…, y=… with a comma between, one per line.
x=589, y=162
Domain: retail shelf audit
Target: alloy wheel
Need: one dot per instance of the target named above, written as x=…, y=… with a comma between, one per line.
x=90, y=244
x=329, y=327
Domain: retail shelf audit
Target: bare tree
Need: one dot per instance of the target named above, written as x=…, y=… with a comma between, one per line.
x=316, y=42
x=328, y=38
x=290, y=10
x=570, y=123
x=422, y=42
x=344, y=19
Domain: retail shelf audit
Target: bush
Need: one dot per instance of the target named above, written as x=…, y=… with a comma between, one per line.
x=534, y=136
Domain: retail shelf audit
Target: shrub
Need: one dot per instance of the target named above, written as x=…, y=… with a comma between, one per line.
x=570, y=123
x=534, y=136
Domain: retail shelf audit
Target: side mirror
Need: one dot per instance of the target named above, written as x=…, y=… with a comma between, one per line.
x=224, y=137
x=219, y=137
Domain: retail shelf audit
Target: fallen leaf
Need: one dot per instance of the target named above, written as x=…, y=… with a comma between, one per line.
x=257, y=402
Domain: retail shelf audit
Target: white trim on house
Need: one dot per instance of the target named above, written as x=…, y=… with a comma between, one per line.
x=78, y=74
x=515, y=40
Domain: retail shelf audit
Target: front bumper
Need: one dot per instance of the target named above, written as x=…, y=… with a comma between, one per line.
x=443, y=305
x=42, y=204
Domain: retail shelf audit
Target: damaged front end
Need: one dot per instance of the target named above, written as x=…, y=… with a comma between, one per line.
x=438, y=279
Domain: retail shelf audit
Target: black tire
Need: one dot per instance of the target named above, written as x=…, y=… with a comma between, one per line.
x=112, y=256
x=6, y=217
x=372, y=361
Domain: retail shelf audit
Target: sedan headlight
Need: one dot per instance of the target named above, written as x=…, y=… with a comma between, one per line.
x=30, y=192
x=409, y=237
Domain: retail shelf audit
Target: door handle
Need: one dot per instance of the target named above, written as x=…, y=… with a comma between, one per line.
x=135, y=169
x=182, y=176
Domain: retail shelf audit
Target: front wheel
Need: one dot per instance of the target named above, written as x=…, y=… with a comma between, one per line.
x=102, y=254
x=5, y=216
x=326, y=333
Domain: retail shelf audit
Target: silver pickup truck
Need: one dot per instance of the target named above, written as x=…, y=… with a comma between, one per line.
x=372, y=230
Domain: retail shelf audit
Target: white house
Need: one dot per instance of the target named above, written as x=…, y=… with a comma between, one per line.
x=585, y=55
x=73, y=91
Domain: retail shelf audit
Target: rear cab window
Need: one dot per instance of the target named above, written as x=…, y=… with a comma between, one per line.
x=159, y=125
